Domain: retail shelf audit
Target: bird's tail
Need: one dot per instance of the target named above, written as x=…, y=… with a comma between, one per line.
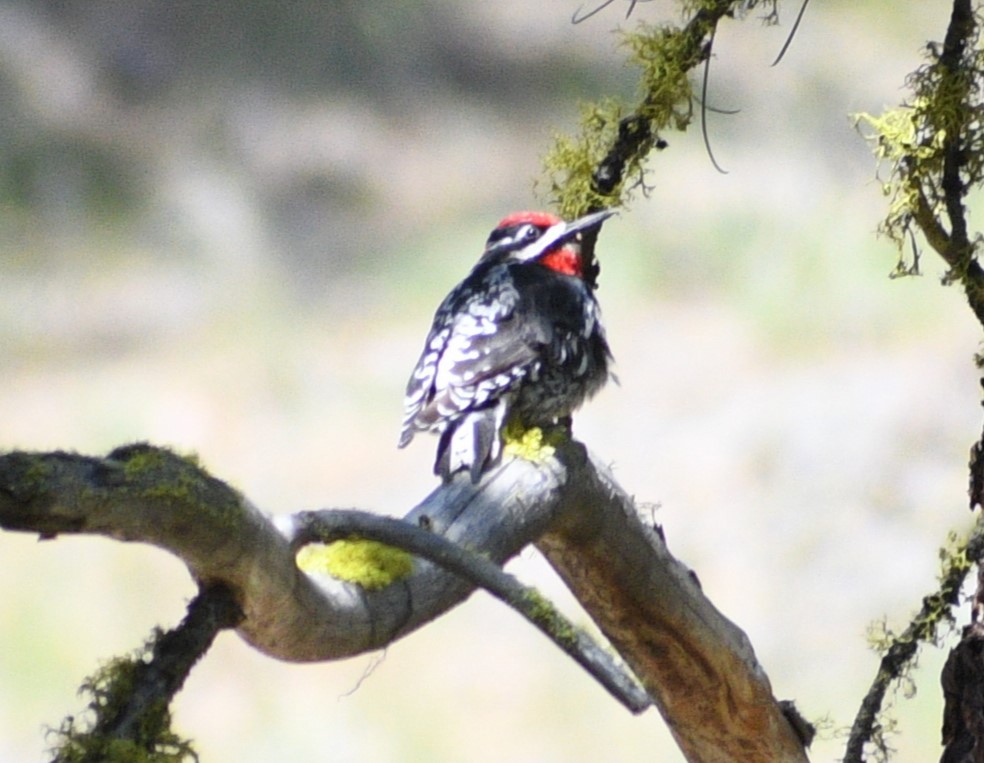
x=472, y=442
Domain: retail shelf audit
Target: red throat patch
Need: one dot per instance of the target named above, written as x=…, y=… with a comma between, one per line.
x=566, y=260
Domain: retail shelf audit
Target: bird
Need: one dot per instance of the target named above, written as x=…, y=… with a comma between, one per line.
x=520, y=338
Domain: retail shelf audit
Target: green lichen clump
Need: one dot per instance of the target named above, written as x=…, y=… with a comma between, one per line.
x=571, y=161
x=545, y=613
x=368, y=563
x=937, y=607
x=164, y=473
x=664, y=56
x=154, y=473
x=533, y=444
x=140, y=458
x=604, y=161
x=944, y=114
x=87, y=741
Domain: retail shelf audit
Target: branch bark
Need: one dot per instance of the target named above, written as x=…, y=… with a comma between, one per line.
x=332, y=525
x=698, y=667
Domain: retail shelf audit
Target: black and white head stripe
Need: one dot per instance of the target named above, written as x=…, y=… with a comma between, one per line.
x=533, y=234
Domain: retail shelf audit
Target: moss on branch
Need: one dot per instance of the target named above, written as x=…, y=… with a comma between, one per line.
x=603, y=162
x=933, y=146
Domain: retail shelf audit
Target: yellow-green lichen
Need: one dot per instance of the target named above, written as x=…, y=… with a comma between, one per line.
x=943, y=119
x=937, y=607
x=665, y=56
x=913, y=158
x=610, y=132
x=900, y=650
x=368, y=563
x=531, y=444
x=542, y=611
x=159, y=474
x=604, y=162
x=571, y=161
x=139, y=458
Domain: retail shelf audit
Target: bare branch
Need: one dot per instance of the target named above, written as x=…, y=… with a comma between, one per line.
x=697, y=666
x=327, y=526
x=142, y=493
x=792, y=33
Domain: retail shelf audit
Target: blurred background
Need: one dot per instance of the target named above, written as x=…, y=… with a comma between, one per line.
x=224, y=227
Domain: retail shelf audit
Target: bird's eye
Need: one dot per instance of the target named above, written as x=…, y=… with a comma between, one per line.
x=529, y=232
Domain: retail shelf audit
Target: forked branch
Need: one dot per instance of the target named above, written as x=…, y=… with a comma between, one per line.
x=696, y=665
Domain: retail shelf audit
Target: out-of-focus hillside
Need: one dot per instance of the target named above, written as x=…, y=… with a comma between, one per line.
x=225, y=227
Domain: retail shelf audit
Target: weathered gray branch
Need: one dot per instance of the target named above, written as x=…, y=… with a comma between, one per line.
x=332, y=525
x=697, y=666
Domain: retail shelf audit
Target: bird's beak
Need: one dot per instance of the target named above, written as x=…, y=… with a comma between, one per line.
x=562, y=232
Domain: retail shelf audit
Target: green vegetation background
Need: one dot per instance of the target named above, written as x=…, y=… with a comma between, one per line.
x=225, y=227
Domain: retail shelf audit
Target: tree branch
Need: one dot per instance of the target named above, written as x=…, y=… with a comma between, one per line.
x=962, y=678
x=148, y=494
x=130, y=697
x=901, y=650
x=328, y=526
x=935, y=146
x=174, y=655
x=598, y=169
x=698, y=667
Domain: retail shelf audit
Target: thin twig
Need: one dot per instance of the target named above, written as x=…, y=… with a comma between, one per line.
x=576, y=19
x=792, y=32
x=331, y=525
x=703, y=103
x=903, y=648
